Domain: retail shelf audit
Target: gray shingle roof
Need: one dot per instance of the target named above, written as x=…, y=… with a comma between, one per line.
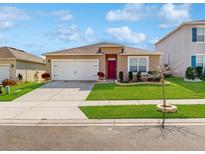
x=8, y=52
x=93, y=49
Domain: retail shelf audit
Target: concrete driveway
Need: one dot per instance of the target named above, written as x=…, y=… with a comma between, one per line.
x=55, y=100
x=60, y=91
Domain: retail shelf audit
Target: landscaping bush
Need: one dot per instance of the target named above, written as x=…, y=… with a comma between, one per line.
x=139, y=77
x=199, y=71
x=191, y=73
x=154, y=76
x=121, y=76
x=130, y=76
x=8, y=82
x=45, y=76
x=101, y=75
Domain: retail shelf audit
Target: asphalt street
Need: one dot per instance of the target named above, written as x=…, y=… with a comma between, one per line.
x=102, y=138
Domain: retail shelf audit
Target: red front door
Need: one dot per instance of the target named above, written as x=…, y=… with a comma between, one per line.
x=112, y=69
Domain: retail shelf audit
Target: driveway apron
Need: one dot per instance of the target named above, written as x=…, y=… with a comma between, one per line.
x=55, y=100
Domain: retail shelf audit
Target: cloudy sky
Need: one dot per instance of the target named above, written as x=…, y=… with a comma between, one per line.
x=39, y=28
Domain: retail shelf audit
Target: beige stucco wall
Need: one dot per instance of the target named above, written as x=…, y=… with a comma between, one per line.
x=111, y=50
x=178, y=48
x=12, y=69
x=29, y=69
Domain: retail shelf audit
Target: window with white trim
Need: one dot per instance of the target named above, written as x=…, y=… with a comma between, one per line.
x=200, y=61
x=138, y=64
x=200, y=34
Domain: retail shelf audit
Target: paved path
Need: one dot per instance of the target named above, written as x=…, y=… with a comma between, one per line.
x=41, y=110
x=59, y=91
x=28, y=110
x=55, y=100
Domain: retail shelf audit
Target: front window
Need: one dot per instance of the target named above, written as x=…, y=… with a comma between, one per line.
x=201, y=34
x=200, y=61
x=138, y=64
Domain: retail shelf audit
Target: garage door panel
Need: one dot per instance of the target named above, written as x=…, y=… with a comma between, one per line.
x=63, y=70
x=86, y=70
x=81, y=69
x=4, y=72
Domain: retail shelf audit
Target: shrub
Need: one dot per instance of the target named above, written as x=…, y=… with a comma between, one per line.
x=139, y=77
x=199, y=71
x=191, y=73
x=101, y=75
x=154, y=76
x=45, y=76
x=130, y=76
x=8, y=82
x=121, y=76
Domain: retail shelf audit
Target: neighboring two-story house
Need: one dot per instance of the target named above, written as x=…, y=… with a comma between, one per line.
x=183, y=47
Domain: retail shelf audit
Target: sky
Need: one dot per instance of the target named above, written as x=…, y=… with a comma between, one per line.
x=41, y=28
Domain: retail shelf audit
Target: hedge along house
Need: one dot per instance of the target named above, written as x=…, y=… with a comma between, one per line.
x=83, y=63
x=14, y=61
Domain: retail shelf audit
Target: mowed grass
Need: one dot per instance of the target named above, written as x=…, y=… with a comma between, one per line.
x=19, y=90
x=178, y=89
x=141, y=111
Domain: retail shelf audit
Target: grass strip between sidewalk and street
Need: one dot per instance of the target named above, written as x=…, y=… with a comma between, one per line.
x=141, y=111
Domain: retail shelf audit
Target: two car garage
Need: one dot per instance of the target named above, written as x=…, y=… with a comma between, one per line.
x=75, y=69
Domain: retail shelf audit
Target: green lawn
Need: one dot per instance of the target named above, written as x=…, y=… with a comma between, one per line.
x=141, y=111
x=20, y=89
x=178, y=89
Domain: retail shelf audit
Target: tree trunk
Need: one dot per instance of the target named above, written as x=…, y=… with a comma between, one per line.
x=163, y=91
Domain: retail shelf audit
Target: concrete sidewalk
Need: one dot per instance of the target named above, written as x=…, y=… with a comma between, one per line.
x=40, y=110
x=66, y=110
x=141, y=102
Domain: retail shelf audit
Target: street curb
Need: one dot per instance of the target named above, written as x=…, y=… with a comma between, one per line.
x=106, y=122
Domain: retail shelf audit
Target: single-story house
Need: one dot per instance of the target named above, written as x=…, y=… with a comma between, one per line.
x=83, y=63
x=14, y=62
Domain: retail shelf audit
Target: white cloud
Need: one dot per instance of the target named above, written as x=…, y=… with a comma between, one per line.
x=63, y=15
x=89, y=31
x=125, y=34
x=9, y=14
x=5, y=24
x=72, y=33
x=174, y=14
x=130, y=12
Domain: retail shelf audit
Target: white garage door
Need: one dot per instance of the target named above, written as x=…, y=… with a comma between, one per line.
x=4, y=72
x=75, y=69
